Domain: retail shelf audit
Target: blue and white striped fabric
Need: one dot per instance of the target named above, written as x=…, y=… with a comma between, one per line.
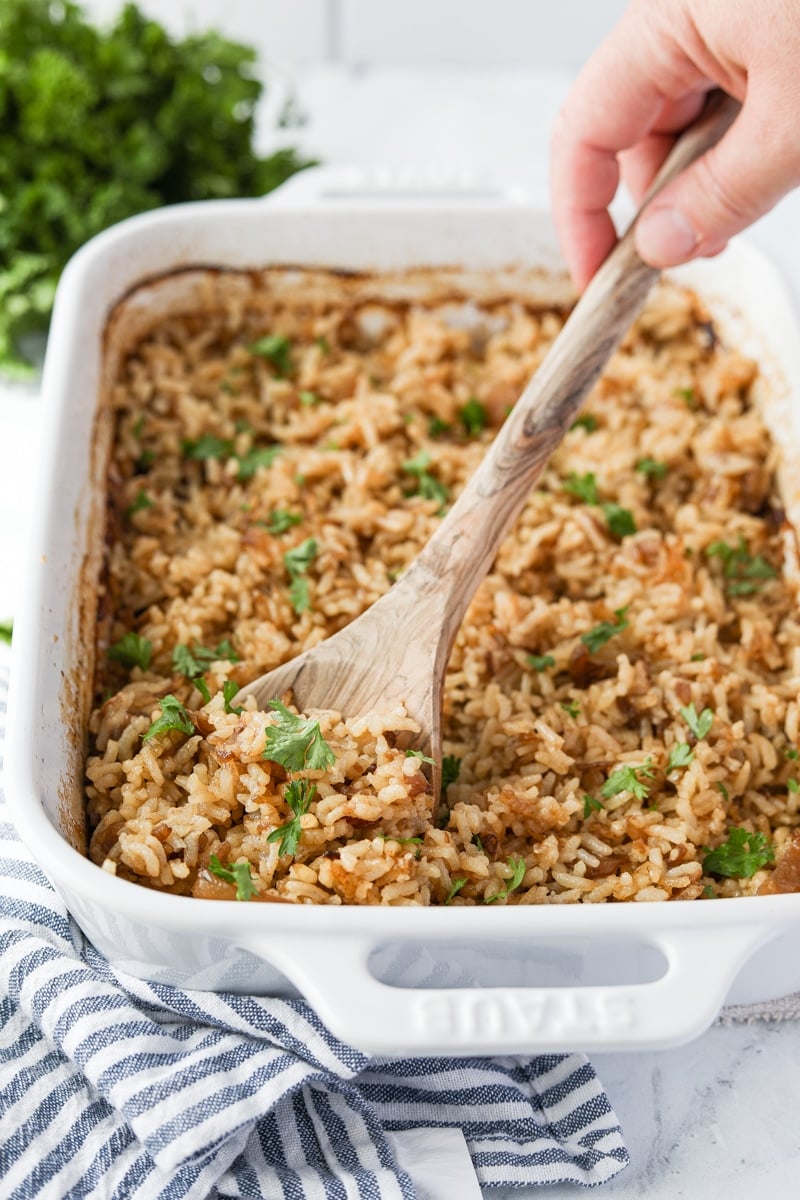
x=118, y=1089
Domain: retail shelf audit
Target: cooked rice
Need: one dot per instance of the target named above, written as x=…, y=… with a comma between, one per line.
x=199, y=565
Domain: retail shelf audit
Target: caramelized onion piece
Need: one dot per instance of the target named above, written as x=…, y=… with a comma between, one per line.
x=786, y=876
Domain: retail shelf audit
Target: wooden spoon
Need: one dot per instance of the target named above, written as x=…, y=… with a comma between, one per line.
x=397, y=651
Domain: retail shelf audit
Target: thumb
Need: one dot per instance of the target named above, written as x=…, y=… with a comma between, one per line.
x=738, y=180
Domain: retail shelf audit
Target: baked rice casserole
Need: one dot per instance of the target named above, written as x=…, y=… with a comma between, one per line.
x=621, y=704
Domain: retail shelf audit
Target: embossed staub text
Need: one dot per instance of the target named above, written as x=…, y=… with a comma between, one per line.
x=470, y=1014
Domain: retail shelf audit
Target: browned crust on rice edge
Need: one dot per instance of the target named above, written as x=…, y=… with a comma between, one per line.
x=372, y=417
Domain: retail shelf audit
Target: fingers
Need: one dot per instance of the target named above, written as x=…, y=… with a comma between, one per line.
x=739, y=180
x=627, y=91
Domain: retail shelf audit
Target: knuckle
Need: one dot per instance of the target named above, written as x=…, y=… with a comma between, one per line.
x=728, y=199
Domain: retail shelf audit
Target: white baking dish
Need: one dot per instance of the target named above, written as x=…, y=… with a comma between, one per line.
x=471, y=980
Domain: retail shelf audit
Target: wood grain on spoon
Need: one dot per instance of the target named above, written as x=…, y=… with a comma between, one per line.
x=397, y=651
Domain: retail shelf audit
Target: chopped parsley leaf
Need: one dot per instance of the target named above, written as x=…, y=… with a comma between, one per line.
x=308, y=399
x=698, y=724
x=697, y=658
x=428, y=486
x=249, y=463
x=202, y=688
x=436, y=427
x=689, y=398
x=6, y=630
x=572, y=708
x=298, y=795
x=587, y=422
x=238, y=873
x=708, y=892
x=584, y=487
x=297, y=561
x=300, y=595
x=620, y=520
x=680, y=755
x=602, y=633
x=740, y=856
x=194, y=662
x=473, y=417
x=229, y=690
x=141, y=502
x=455, y=888
x=276, y=349
x=323, y=344
x=131, y=651
x=410, y=841
x=296, y=743
x=207, y=446
x=518, y=868
x=723, y=790
x=744, y=573
x=281, y=520
x=540, y=662
x=451, y=769
x=422, y=757
x=651, y=468
x=626, y=779
x=792, y=754
x=793, y=785
x=173, y=716
x=591, y=804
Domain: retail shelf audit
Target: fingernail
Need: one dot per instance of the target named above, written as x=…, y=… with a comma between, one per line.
x=664, y=237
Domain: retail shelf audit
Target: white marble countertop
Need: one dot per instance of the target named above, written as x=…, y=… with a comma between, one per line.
x=714, y=1118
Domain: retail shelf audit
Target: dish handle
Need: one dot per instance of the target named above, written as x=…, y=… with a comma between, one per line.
x=333, y=974
x=327, y=187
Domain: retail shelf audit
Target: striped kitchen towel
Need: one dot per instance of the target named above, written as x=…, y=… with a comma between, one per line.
x=114, y=1088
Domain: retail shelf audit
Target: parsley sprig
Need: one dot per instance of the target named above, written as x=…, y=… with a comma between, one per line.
x=296, y=743
x=131, y=650
x=451, y=769
x=455, y=888
x=540, y=662
x=626, y=779
x=699, y=723
x=651, y=468
x=583, y=487
x=591, y=804
x=276, y=349
x=472, y=416
x=740, y=856
x=298, y=795
x=238, y=873
x=518, y=867
x=680, y=755
x=173, y=716
x=744, y=572
x=102, y=120
x=427, y=485
x=620, y=520
x=193, y=662
x=281, y=520
x=297, y=562
x=602, y=633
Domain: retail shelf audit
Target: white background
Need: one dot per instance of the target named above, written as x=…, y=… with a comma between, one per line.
x=455, y=90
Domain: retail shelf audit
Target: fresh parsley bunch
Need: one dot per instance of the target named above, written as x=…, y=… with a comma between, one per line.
x=96, y=126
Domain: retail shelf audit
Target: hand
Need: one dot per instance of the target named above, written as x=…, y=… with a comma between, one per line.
x=648, y=81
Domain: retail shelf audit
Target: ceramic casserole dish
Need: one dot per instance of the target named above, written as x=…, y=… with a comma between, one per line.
x=388, y=980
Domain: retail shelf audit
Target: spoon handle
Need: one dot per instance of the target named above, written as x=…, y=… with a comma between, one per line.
x=459, y=554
